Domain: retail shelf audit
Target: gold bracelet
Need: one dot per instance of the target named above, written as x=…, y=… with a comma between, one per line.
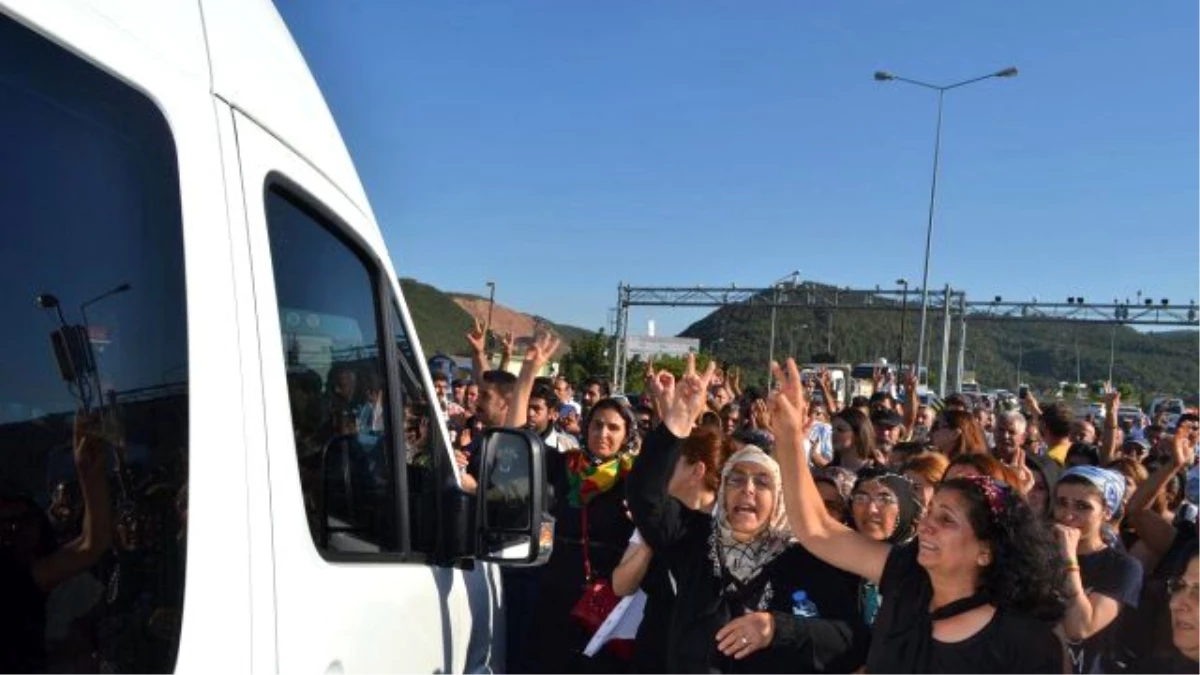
x=1072, y=568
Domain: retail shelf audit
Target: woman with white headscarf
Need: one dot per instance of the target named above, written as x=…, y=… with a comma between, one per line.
x=749, y=597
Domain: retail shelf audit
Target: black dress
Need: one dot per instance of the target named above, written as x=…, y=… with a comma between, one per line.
x=834, y=641
x=558, y=642
x=1010, y=643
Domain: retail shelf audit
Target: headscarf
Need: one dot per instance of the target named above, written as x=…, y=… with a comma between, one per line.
x=911, y=506
x=744, y=560
x=1110, y=483
x=589, y=475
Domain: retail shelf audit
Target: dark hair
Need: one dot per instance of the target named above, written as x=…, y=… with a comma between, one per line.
x=860, y=402
x=1057, y=418
x=643, y=409
x=440, y=376
x=1027, y=572
x=711, y=419
x=545, y=393
x=908, y=450
x=1090, y=453
x=458, y=382
x=710, y=447
x=501, y=379
x=864, y=433
x=605, y=389
x=986, y=465
x=956, y=400
x=881, y=395
x=622, y=410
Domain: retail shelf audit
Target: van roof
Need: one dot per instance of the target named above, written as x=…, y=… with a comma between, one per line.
x=257, y=68
x=244, y=53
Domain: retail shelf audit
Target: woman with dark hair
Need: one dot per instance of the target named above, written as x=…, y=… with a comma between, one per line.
x=694, y=483
x=853, y=440
x=1183, y=656
x=749, y=598
x=956, y=432
x=591, y=526
x=1045, y=473
x=1082, y=454
x=886, y=507
x=1101, y=580
x=979, y=589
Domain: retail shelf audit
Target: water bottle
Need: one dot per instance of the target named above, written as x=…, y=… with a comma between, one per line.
x=802, y=606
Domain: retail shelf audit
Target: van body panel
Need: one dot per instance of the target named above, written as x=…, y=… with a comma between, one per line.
x=259, y=70
x=383, y=612
x=217, y=588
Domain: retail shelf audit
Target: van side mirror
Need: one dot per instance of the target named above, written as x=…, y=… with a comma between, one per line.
x=511, y=499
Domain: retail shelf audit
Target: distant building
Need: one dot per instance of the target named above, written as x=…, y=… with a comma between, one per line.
x=649, y=346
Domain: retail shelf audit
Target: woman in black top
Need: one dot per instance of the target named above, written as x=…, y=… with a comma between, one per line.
x=1101, y=580
x=884, y=507
x=978, y=591
x=694, y=481
x=1184, y=654
x=749, y=598
x=592, y=481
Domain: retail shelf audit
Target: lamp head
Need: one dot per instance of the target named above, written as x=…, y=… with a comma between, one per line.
x=1010, y=71
x=883, y=76
x=46, y=301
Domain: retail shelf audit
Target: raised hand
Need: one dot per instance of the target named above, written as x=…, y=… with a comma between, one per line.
x=1068, y=539
x=681, y=403
x=476, y=338
x=760, y=415
x=909, y=379
x=1112, y=398
x=88, y=442
x=789, y=406
x=1025, y=477
x=506, y=344
x=540, y=350
x=1182, y=452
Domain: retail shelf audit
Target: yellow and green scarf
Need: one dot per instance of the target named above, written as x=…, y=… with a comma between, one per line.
x=588, y=478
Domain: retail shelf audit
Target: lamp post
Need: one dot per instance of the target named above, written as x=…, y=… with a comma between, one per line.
x=884, y=76
x=487, y=328
x=903, y=311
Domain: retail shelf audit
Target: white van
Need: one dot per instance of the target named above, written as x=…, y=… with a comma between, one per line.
x=187, y=255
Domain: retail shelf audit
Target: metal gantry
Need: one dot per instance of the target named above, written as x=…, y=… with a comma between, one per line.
x=951, y=303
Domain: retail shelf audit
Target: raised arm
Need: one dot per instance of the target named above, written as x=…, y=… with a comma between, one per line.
x=477, y=342
x=658, y=516
x=912, y=402
x=1108, y=440
x=819, y=532
x=825, y=382
x=506, y=348
x=538, y=355
x=96, y=536
x=1155, y=534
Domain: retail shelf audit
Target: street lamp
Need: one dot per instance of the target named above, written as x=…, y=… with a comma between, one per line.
x=903, y=310
x=487, y=328
x=884, y=76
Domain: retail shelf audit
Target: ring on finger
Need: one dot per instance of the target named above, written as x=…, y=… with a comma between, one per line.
x=745, y=641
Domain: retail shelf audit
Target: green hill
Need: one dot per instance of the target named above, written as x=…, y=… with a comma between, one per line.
x=441, y=322
x=1148, y=362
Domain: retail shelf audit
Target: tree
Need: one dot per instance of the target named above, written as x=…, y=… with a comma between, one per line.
x=587, y=357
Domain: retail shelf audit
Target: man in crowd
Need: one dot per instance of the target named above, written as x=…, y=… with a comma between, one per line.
x=543, y=414
x=1055, y=424
x=889, y=429
x=594, y=390
x=1009, y=434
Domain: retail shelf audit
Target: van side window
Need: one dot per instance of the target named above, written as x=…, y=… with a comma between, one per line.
x=422, y=443
x=93, y=369
x=336, y=379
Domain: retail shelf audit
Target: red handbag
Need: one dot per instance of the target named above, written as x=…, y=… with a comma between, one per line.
x=598, y=600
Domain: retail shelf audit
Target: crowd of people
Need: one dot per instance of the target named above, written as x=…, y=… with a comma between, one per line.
x=785, y=531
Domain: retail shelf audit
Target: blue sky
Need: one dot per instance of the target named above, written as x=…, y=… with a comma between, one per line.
x=559, y=148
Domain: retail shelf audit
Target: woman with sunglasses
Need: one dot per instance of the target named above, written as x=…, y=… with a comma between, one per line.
x=979, y=590
x=1184, y=654
x=749, y=599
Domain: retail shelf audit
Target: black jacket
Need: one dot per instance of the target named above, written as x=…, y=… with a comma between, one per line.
x=836, y=641
x=560, y=641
